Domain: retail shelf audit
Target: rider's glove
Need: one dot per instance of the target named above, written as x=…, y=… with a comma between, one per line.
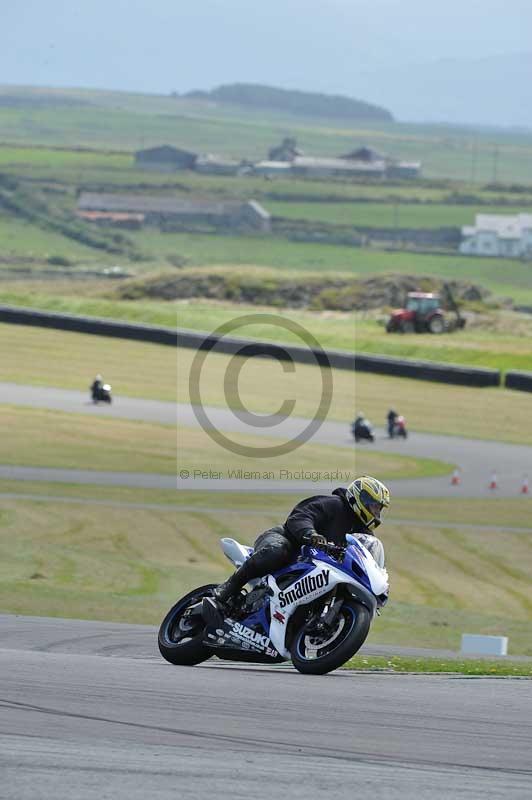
x=313, y=538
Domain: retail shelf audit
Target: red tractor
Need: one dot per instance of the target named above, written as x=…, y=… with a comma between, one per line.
x=424, y=313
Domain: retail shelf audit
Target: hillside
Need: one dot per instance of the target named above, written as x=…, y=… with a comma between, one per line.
x=311, y=104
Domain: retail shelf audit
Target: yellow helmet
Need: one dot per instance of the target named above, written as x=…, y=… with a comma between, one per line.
x=369, y=498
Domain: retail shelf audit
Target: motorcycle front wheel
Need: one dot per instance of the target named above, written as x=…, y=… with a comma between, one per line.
x=317, y=654
x=181, y=633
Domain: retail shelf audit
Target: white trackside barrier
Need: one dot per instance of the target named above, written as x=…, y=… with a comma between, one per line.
x=484, y=645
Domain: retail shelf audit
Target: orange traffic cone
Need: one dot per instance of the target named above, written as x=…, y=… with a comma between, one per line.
x=493, y=481
x=455, y=480
x=524, y=485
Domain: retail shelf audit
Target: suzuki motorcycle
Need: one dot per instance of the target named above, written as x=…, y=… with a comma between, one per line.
x=316, y=612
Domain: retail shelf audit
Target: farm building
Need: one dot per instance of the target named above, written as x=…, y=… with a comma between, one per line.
x=367, y=154
x=216, y=165
x=165, y=158
x=498, y=235
x=122, y=219
x=403, y=169
x=286, y=151
x=336, y=167
x=272, y=168
x=394, y=168
x=174, y=210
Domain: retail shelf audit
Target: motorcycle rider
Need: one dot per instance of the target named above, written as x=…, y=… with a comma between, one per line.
x=315, y=521
x=96, y=387
x=392, y=419
x=361, y=428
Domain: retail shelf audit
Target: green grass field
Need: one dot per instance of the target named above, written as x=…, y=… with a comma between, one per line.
x=25, y=241
x=129, y=564
x=388, y=215
x=136, y=369
x=197, y=452
x=42, y=438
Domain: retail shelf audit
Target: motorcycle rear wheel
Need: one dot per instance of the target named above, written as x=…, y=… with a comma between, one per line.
x=314, y=657
x=180, y=640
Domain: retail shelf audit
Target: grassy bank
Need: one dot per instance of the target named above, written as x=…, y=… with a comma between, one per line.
x=196, y=452
x=135, y=369
x=41, y=438
x=469, y=666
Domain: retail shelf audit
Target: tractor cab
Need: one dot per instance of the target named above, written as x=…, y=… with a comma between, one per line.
x=421, y=303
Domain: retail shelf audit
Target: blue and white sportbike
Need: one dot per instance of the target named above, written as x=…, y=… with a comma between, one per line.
x=316, y=612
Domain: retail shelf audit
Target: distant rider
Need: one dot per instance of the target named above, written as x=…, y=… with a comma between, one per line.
x=392, y=419
x=96, y=387
x=314, y=521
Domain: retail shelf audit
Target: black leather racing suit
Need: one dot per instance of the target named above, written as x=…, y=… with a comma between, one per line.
x=96, y=389
x=329, y=515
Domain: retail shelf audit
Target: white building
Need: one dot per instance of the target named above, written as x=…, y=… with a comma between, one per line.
x=341, y=167
x=498, y=235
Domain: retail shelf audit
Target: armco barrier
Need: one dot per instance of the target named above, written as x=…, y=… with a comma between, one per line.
x=428, y=370
x=93, y=325
x=384, y=365
x=519, y=380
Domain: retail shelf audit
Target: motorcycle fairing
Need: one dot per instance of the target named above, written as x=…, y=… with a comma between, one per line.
x=377, y=577
x=284, y=602
x=250, y=635
x=235, y=552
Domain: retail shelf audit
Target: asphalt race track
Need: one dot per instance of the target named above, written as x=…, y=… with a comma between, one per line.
x=89, y=710
x=476, y=459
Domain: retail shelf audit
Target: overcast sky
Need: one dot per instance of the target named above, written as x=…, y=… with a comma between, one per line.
x=352, y=47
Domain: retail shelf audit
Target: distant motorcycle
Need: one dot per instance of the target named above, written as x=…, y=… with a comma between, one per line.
x=362, y=429
x=102, y=394
x=315, y=612
x=399, y=428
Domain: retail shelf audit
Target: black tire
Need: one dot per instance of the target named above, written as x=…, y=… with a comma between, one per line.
x=355, y=620
x=184, y=650
x=436, y=324
x=407, y=326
